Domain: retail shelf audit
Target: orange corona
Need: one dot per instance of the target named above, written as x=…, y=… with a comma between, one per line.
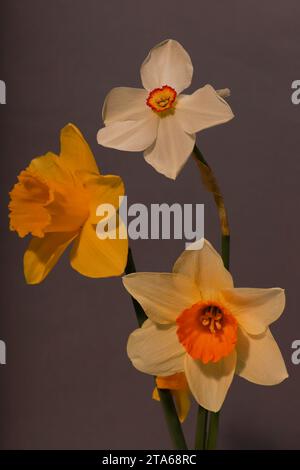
x=207, y=331
x=162, y=99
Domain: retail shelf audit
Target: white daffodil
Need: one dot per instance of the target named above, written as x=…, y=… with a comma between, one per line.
x=201, y=325
x=158, y=119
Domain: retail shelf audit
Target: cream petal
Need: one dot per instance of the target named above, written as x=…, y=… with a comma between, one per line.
x=168, y=63
x=172, y=148
x=255, y=309
x=205, y=267
x=155, y=349
x=163, y=296
x=125, y=104
x=133, y=136
x=259, y=359
x=210, y=382
x=203, y=109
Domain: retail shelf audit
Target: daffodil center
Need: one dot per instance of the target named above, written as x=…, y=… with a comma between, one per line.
x=212, y=318
x=162, y=99
x=207, y=331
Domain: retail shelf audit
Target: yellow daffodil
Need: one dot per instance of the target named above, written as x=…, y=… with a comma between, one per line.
x=179, y=388
x=159, y=119
x=55, y=200
x=201, y=325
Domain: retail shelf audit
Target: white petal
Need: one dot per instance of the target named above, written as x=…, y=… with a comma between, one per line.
x=205, y=267
x=163, y=296
x=168, y=63
x=171, y=149
x=125, y=104
x=255, y=309
x=155, y=349
x=133, y=136
x=210, y=382
x=259, y=359
x=203, y=109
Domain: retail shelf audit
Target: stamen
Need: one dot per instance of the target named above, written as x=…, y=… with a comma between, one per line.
x=212, y=317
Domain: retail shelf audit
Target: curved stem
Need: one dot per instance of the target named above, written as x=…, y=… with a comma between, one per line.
x=210, y=182
x=165, y=395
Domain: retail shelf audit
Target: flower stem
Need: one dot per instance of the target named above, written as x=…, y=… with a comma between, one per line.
x=213, y=431
x=172, y=420
x=201, y=430
x=211, y=184
x=166, y=399
x=139, y=311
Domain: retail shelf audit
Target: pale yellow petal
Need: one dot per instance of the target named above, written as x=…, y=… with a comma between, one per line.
x=204, y=266
x=43, y=253
x=255, y=309
x=209, y=383
x=259, y=359
x=155, y=349
x=163, y=296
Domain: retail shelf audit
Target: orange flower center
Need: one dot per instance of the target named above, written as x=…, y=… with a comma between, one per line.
x=38, y=205
x=207, y=331
x=162, y=99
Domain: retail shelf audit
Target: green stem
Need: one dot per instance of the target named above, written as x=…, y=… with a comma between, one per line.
x=201, y=430
x=213, y=431
x=166, y=399
x=211, y=184
x=172, y=420
x=139, y=311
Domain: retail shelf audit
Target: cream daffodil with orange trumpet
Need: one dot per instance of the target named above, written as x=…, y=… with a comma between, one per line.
x=159, y=119
x=200, y=324
x=55, y=200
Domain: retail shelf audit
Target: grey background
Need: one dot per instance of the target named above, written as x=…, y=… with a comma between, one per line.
x=68, y=382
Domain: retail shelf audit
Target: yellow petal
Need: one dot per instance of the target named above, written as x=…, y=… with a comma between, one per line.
x=183, y=403
x=43, y=253
x=102, y=189
x=173, y=382
x=178, y=385
x=93, y=257
x=51, y=168
x=163, y=296
x=75, y=152
x=259, y=359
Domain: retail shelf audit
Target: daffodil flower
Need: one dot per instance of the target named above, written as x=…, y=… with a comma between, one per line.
x=55, y=200
x=158, y=119
x=179, y=388
x=200, y=324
